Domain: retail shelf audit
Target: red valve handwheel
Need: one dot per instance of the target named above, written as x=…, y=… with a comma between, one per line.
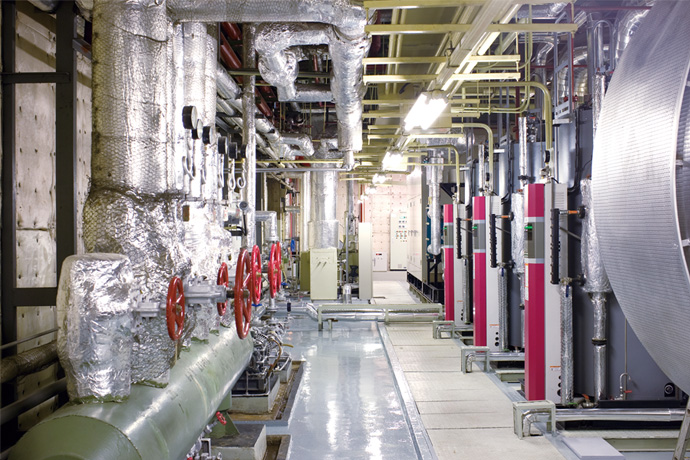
x=221, y=419
x=255, y=287
x=222, y=281
x=174, y=308
x=275, y=269
x=243, y=306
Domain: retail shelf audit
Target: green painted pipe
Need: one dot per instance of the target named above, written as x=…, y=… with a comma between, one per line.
x=154, y=423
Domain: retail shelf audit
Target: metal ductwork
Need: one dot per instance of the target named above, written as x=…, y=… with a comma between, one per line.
x=271, y=219
x=348, y=44
x=323, y=222
x=639, y=164
x=280, y=145
x=301, y=141
x=626, y=25
x=279, y=66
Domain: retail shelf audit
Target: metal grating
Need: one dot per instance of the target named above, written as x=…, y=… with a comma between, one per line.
x=634, y=187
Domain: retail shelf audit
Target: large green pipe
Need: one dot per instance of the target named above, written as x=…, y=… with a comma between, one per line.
x=154, y=423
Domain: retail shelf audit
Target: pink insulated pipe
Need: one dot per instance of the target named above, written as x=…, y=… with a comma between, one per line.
x=448, y=274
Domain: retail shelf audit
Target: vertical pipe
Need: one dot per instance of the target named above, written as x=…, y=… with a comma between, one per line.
x=305, y=197
x=482, y=169
x=249, y=133
x=597, y=100
x=522, y=134
x=194, y=89
x=566, y=344
x=433, y=180
x=348, y=224
x=211, y=156
x=599, y=341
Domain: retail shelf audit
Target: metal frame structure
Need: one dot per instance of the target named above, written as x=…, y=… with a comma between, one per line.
x=65, y=79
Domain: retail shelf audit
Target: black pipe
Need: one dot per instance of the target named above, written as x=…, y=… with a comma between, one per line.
x=492, y=241
x=555, y=245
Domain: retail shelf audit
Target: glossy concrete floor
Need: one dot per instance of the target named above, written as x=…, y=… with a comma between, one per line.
x=348, y=406
x=394, y=392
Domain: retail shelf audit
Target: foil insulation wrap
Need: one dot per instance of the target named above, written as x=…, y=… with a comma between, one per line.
x=279, y=64
x=567, y=356
x=206, y=242
x=178, y=142
x=596, y=279
x=94, y=308
x=348, y=89
x=517, y=232
x=146, y=230
x=130, y=96
x=350, y=18
x=153, y=353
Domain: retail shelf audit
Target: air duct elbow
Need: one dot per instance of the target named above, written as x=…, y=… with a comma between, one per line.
x=271, y=220
x=301, y=141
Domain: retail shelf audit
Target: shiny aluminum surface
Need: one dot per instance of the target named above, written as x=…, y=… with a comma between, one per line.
x=638, y=187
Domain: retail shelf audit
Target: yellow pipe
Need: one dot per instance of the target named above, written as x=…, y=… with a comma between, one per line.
x=547, y=109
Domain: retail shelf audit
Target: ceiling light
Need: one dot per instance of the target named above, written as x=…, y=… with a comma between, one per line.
x=392, y=161
x=378, y=178
x=426, y=110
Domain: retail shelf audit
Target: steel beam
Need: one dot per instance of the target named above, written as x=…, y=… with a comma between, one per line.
x=407, y=29
x=456, y=77
x=65, y=136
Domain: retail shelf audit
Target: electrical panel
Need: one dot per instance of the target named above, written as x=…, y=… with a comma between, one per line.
x=324, y=274
x=399, y=238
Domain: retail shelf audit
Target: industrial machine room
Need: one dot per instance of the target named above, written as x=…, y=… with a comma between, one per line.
x=345, y=229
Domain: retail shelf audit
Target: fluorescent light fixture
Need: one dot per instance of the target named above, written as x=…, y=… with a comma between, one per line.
x=393, y=161
x=426, y=110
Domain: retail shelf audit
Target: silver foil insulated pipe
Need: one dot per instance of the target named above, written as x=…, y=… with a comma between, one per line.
x=599, y=341
x=271, y=218
x=249, y=135
x=433, y=180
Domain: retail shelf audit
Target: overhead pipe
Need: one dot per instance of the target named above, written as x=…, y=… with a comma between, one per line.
x=348, y=45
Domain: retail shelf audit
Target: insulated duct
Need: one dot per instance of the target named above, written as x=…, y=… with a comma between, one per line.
x=230, y=102
x=641, y=186
x=323, y=224
x=271, y=219
x=596, y=279
x=348, y=44
x=249, y=136
x=626, y=25
x=599, y=341
x=434, y=175
x=279, y=66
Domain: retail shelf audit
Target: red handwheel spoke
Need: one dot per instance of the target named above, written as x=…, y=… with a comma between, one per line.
x=255, y=287
x=222, y=280
x=175, y=308
x=242, y=304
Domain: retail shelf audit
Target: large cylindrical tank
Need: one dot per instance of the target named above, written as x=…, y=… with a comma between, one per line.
x=154, y=423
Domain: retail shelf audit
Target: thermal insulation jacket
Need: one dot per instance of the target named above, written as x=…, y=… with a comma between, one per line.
x=596, y=279
x=517, y=232
x=154, y=423
x=94, y=309
x=641, y=186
